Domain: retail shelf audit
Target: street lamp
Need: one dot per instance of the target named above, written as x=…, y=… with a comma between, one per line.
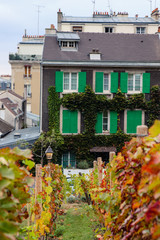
x=49, y=153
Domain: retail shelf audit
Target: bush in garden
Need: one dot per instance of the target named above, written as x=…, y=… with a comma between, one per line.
x=14, y=181
x=83, y=165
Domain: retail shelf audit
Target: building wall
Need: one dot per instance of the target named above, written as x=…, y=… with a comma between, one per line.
x=18, y=82
x=118, y=28
x=30, y=49
x=49, y=80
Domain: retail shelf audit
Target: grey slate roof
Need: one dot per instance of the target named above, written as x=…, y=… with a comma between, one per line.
x=113, y=47
x=67, y=36
x=125, y=20
x=5, y=127
x=26, y=135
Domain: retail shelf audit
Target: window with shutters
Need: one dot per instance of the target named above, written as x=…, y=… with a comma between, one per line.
x=68, y=160
x=133, y=118
x=70, y=82
x=106, y=122
x=27, y=71
x=103, y=82
x=134, y=83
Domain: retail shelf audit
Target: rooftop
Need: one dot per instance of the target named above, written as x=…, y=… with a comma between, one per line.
x=113, y=47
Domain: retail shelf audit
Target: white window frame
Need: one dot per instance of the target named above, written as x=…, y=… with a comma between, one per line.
x=135, y=91
x=106, y=131
x=70, y=90
x=69, y=43
x=125, y=119
x=140, y=27
x=29, y=95
x=109, y=83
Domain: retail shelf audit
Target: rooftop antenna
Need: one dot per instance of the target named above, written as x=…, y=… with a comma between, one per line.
x=109, y=7
x=94, y=2
x=38, y=11
x=150, y=5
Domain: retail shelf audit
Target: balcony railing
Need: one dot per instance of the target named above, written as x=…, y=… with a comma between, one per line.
x=15, y=56
x=28, y=76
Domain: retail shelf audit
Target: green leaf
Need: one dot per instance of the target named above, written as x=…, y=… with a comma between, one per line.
x=4, y=183
x=29, y=163
x=7, y=172
x=8, y=227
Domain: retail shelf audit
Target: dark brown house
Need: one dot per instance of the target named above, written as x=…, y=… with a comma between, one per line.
x=105, y=62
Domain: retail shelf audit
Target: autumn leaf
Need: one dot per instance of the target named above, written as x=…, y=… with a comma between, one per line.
x=154, y=131
x=153, y=211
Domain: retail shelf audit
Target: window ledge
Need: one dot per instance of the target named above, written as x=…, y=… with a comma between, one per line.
x=134, y=92
x=69, y=91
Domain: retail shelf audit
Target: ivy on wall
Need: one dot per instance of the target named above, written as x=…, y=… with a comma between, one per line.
x=53, y=109
x=89, y=104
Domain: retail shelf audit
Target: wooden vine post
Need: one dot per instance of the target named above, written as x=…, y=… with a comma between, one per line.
x=111, y=156
x=100, y=169
x=38, y=187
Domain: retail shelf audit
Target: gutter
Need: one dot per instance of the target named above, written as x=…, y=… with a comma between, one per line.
x=101, y=64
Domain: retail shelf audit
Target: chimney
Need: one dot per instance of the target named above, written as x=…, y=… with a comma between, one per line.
x=59, y=19
x=51, y=30
x=155, y=14
x=136, y=16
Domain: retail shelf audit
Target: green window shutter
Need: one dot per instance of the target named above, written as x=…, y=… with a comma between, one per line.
x=124, y=82
x=134, y=118
x=73, y=122
x=98, y=126
x=99, y=82
x=70, y=121
x=81, y=81
x=66, y=121
x=114, y=82
x=113, y=122
x=146, y=82
x=59, y=81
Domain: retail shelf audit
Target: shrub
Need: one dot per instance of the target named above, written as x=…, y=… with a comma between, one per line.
x=83, y=165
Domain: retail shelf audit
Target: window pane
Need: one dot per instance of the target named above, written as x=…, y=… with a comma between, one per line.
x=64, y=44
x=143, y=30
x=66, y=81
x=137, y=82
x=138, y=29
x=105, y=121
x=73, y=81
x=130, y=82
x=106, y=82
x=71, y=44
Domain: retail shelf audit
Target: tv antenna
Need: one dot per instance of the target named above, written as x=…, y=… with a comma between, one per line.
x=150, y=5
x=109, y=7
x=38, y=11
x=94, y=3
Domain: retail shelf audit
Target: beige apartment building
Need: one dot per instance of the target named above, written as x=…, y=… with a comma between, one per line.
x=110, y=23
x=25, y=66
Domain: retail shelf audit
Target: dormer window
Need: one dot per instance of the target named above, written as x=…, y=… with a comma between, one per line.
x=68, y=44
x=68, y=41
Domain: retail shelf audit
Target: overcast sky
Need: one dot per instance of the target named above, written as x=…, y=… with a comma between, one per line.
x=17, y=15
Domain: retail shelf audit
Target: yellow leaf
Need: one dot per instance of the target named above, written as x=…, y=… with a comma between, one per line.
x=154, y=131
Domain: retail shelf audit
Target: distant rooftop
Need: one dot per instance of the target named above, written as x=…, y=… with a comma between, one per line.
x=16, y=137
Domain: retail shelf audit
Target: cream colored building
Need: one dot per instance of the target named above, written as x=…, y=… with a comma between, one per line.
x=25, y=66
x=109, y=23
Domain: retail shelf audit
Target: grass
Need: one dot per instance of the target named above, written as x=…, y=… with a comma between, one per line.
x=78, y=223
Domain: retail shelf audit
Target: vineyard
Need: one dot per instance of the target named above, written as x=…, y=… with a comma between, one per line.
x=124, y=194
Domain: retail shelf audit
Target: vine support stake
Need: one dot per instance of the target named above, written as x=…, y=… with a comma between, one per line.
x=99, y=160
x=111, y=156
x=38, y=186
x=142, y=131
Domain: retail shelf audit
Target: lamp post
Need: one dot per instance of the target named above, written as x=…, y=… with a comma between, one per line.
x=49, y=153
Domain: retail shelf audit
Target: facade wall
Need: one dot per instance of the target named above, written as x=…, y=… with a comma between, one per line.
x=30, y=49
x=117, y=28
x=49, y=80
x=19, y=82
